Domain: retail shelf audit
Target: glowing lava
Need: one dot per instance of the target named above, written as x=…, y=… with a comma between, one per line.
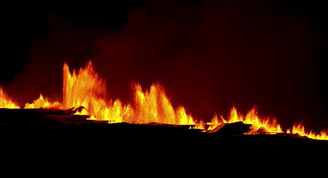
x=42, y=103
x=300, y=130
x=5, y=101
x=270, y=125
x=86, y=89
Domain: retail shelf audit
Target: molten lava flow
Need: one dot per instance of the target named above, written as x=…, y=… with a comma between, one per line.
x=42, y=103
x=83, y=88
x=5, y=101
x=215, y=122
x=300, y=130
x=154, y=106
x=268, y=124
x=86, y=89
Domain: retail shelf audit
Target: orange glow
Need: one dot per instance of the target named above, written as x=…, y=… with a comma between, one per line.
x=42, y=103
x=5, y=101
x=270, y=125
x=83, y=88
x=86, y=89
x=215, y=122
x=154, y=106
x=300, y=129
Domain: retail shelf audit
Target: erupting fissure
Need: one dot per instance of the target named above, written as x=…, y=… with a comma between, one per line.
x=86, y=89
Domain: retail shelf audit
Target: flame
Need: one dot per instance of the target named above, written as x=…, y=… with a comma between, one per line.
x=42, y=103
x=5, y=101
x=270, y=125
x=82, y=89
x=215, y=122
x=154, y=106
x=86, y=89
x=300, y=130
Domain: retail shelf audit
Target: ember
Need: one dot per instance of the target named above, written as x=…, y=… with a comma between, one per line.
x=86, y=91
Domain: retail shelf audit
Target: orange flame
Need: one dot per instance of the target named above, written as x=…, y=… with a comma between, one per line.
x=154, y=106
x=5, y=101
x=88, y=90
x=300, y=130
x=42, y=103
x=151, y=106
x=83, y=88
x=215, y=122
x=270, y=125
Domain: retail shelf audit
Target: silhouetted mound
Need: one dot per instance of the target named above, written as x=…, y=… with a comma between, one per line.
x=261, y=130
x=43, y=116
x=149, y=146
x=52, y=131
x=237, y=128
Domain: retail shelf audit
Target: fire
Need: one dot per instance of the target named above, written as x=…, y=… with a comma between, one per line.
x=42, y=103
x=300, y=130
x=268, y=124
x=154, y=106
x=5, y=101
x=215, y=122
x=86, y=89
x=83, y=88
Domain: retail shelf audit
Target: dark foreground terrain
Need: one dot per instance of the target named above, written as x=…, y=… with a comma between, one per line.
x=155, y=147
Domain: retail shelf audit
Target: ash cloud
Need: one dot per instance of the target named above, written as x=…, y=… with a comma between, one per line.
x=207, y=54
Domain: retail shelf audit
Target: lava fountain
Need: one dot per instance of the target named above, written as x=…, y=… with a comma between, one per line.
x=85, y=88
x=5, y=101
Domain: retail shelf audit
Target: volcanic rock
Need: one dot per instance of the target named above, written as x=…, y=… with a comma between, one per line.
x=43, y=116
x=237, y=128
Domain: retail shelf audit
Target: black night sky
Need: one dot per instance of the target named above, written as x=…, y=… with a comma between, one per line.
x=208, y=54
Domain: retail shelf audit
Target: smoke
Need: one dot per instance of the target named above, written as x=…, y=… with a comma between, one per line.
x=43, y=73
x=208, y=55
x=212, y=55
